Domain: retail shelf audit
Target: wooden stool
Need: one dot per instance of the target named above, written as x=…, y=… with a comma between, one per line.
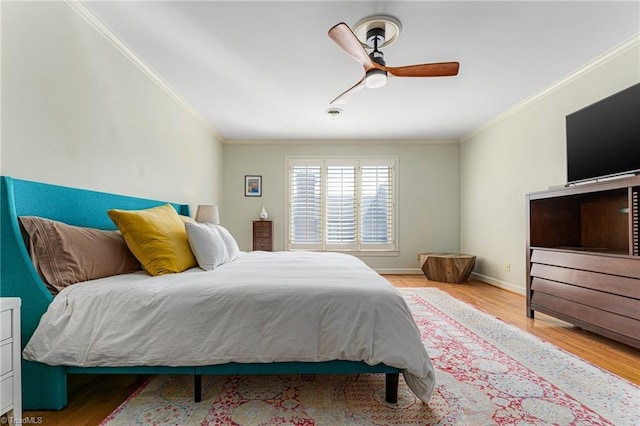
x=447, y=267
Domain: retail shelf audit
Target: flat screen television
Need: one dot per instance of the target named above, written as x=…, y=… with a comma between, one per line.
x=603, y=139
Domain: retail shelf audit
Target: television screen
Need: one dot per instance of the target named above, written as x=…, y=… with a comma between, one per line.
x=603, y=139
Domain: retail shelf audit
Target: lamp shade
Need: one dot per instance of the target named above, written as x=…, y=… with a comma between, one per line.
x=207, y=214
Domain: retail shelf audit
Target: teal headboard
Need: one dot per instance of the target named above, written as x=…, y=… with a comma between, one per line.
x=18, y=277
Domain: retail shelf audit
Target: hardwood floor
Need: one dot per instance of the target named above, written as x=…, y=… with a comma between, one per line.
x=510, y=307
x=93, y=398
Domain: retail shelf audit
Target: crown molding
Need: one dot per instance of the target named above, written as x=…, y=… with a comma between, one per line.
x=618, y=50
x=341, y=142
x=85, y=13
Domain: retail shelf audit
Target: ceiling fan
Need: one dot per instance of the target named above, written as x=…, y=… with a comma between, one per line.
x=374, y=31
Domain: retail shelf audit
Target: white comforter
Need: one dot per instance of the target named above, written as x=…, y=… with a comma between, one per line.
x=262, y=307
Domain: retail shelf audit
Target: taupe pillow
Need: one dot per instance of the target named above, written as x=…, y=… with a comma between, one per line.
x=65, y=254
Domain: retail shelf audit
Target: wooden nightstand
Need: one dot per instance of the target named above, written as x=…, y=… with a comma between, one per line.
x=263, y=235
x=10, y=359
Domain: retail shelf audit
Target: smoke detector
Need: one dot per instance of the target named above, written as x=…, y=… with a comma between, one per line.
x=333, y=112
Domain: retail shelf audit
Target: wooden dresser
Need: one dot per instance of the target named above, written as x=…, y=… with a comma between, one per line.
x=10, y=377
x=263, y=235
x=583, y=257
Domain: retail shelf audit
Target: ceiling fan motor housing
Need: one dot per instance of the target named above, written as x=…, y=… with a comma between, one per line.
x=375, y=38
x=377, y=57
x=376, y=78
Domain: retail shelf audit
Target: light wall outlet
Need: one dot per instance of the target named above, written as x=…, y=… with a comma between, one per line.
x=507, y=267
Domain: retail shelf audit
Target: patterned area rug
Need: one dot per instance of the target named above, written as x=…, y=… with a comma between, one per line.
x=488, y=372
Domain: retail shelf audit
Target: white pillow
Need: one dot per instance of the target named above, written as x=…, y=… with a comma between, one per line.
x=232, y=246
x=207, y=245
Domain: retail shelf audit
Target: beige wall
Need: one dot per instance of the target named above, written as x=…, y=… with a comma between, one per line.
x=523, y=152
x=428, y=197
x=77, y=112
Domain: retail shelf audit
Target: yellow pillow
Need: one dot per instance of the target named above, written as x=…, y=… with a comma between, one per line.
x=186, y=219
x=156, y=237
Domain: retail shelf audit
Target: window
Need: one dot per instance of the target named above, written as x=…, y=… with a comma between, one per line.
x=341, y=204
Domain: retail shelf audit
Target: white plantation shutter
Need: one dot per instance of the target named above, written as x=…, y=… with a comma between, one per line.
x=305, y=206
x=338, y=204
x=341, y=214
x=376, y=206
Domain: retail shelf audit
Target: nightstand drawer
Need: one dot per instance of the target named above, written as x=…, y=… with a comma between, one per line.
x=6, y=358
x=6, y=394
x=6, y=322
x=10, y=371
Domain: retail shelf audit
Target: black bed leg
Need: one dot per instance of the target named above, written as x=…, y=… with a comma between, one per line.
x=197, y=388
x=391, y=387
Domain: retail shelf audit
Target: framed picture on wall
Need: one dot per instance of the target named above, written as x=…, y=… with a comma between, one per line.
x=252, y=186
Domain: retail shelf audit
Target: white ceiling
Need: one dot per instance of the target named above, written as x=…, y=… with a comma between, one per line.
x=268, y=70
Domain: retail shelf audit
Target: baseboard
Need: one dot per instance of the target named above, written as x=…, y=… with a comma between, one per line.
x=484, y=278
x=498, y=283
x=398, y=271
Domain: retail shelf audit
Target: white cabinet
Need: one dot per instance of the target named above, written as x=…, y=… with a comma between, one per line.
x=10, y=378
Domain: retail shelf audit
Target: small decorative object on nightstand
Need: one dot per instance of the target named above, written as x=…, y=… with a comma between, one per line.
x=263, y=214
x=10, y=375
x=263, y=235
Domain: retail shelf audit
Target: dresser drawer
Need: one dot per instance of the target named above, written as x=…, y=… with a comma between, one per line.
x=620, y=266
x=6, y=321
x=6, y=358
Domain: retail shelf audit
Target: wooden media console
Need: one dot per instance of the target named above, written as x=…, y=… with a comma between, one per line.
x=583, y=264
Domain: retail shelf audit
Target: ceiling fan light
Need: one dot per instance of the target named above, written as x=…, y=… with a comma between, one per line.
x=376, y=79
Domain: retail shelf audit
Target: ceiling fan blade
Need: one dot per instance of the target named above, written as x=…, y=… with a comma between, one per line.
x=342, y=35
x=440, y=69
x=345, y=96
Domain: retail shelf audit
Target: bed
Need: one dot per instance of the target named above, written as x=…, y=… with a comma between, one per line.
x=252, y=284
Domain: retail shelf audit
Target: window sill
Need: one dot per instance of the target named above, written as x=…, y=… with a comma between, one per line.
x=359, y=253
